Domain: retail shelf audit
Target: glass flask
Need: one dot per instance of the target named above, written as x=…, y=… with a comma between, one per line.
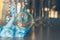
x=17, y=21
x=23, y=18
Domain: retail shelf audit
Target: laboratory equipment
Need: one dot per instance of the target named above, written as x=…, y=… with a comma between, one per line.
x=18, y=20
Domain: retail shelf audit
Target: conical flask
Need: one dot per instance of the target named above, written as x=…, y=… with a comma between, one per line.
x=23, y=18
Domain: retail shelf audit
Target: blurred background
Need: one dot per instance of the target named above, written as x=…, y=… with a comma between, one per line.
x=46, y=14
